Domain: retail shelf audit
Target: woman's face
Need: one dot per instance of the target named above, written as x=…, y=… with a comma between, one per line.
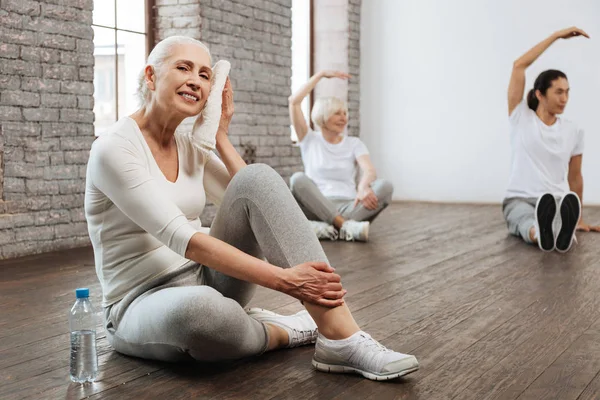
x=182, y=84
x=556, y=97
x=337, y=122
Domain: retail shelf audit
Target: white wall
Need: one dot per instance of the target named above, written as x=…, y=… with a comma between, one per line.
x=434, y=75
x=330, y=32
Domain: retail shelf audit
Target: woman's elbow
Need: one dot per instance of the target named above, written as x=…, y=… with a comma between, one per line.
x=519, y=65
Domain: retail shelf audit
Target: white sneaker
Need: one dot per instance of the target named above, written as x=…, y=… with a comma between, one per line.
x=301, y=328
x=355, y=231
x=362, y=354
x=324, y=231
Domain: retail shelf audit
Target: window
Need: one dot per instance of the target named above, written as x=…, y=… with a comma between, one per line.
x=120, y=49
x=301, y=52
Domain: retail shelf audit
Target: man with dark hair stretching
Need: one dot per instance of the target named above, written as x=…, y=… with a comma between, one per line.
x=546, y=157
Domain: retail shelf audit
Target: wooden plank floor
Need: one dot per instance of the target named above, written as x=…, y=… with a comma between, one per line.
x=487, y=316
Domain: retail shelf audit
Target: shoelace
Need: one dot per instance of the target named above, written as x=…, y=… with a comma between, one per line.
x=374, y=343
x=303, y=337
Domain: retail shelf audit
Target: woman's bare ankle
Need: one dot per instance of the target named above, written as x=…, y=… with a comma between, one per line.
x=532, y=235
x=278, y=337
x=338, y=221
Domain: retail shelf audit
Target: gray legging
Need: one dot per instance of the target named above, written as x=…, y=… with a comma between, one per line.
x=196, y=312
x=519, y=214
x=317, y=207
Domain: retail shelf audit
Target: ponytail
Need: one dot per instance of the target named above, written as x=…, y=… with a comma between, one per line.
x=532, y=100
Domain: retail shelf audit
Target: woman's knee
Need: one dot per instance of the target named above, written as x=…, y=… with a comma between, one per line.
x=297, y=180
x=257, y=177
x=384, y=191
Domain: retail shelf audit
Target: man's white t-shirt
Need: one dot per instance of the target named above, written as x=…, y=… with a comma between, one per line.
x=332, y=166
x=541, y=153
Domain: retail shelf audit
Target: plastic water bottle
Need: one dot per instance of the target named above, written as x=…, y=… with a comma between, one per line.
x=82, y=323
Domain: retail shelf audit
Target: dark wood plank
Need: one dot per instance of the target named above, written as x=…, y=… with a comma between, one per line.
x=570, y=374
x=486, y=315
x=592, y=391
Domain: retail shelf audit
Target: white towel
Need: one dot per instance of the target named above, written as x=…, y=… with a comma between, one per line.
x=206, y=125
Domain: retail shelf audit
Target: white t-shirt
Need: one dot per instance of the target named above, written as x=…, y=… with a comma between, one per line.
x=139, y=222
x=332, y=166
x=541, y=153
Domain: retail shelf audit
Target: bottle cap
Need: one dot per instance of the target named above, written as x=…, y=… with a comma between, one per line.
x=82, y=293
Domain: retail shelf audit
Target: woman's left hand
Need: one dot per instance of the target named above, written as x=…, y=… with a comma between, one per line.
x=226, y=109
x=582, y=226
x=367, y=198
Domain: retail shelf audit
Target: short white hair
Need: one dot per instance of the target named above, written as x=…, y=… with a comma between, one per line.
x=157, y=57
x=325, y=107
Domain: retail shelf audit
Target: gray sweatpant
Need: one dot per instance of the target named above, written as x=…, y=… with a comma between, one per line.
x=317, y=207
x=519, y=214
x=196, y=312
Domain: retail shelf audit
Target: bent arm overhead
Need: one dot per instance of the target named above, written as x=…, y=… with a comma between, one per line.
x=516, y=86
x=295, y=105
x=295, y=100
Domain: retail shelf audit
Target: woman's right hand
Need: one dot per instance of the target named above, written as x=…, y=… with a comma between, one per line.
x=571, y=32
x=335, y=74
x=315, y=283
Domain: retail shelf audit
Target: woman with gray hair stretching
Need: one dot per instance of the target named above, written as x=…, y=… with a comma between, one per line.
x=173, y=291
x=327, y=191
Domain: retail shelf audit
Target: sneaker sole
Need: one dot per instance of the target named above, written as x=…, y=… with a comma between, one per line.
x=570, y=211
x=545, y=212
x=342, y=369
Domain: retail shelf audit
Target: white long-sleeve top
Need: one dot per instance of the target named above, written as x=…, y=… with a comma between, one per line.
x=139, y=222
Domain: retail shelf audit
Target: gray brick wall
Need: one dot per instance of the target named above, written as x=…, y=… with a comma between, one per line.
x=255, y=36
x=46, y=123
x=354, y=66
x=46, y=102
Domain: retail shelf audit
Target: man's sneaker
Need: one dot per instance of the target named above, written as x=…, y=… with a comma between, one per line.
x=361, y=354
x=570, y=212
x=354, y=231
x=545, y=212
x=301, y=328
x=324, y=231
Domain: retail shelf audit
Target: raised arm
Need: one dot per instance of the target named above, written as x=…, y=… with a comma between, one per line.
x=295, y=100
x=231, y=158
x=516, y=87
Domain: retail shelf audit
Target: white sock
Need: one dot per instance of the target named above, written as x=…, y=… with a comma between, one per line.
x=340, y=342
